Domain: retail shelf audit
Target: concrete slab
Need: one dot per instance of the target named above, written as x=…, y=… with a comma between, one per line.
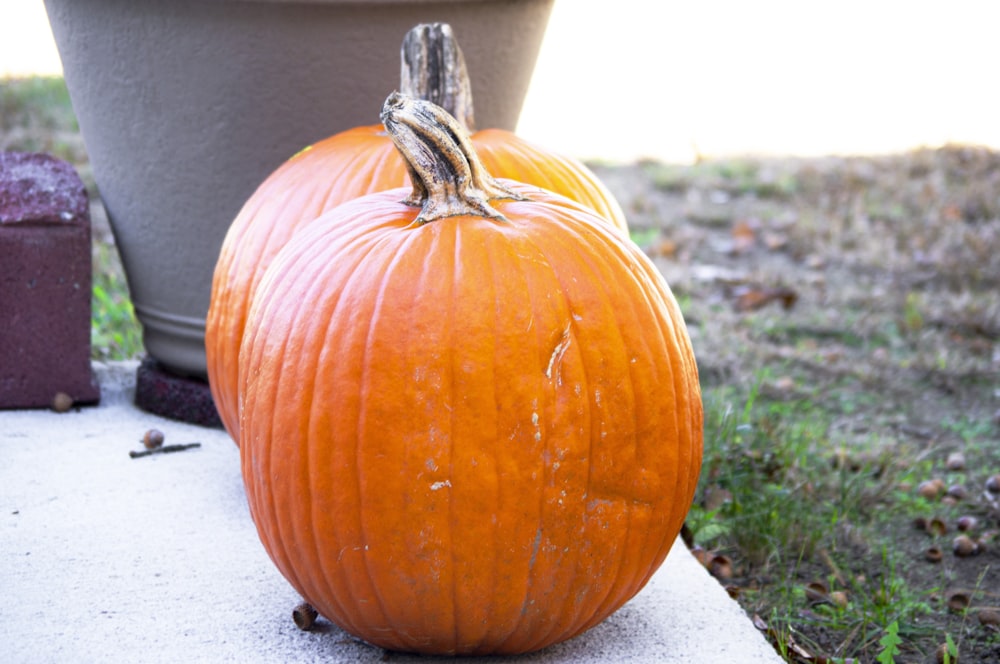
x=109, y=558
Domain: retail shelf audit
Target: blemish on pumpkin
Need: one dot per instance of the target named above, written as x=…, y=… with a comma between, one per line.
x=535, y=546
x=301, y=152
x=555, y=360
x=440, y=485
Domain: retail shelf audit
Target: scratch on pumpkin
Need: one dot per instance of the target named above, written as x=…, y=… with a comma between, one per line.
x=555, y=359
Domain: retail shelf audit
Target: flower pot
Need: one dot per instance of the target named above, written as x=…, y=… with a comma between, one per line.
x=186, y=106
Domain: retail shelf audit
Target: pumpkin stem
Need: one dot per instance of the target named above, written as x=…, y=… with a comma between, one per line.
x=448, y=177
x=433, y=68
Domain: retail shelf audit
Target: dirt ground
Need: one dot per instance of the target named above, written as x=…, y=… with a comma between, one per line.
x=870, y=286
x=882, y=270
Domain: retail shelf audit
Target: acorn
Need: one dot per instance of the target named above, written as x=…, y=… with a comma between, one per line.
x=958, y=601
x=62, y=402
x=839, y=599
x=933, y=554
x=701, y=555
x=817, y=592
x=964, y=546
x=304, y=616
x=966, y=523
x=993, y=483
x=721, y=567
x=958, y=492
x=931, y=489
x=152, y=439
x=955, y=461
x=937, y=526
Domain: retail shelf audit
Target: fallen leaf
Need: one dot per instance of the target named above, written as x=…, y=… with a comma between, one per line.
x=750, y=299
x=744, y=237
x=989, y=617
x=666, y=248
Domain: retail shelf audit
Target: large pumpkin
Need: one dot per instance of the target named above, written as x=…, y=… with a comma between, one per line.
x=470, y=420
x=353, y=163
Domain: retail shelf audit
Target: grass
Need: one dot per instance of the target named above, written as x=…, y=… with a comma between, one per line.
x=115, y=334
x=819, y=530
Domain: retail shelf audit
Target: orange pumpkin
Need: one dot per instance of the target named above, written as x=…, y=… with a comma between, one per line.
x=471, y=420
x=348, y=165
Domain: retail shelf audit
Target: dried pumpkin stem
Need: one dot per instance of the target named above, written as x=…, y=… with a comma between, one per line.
x=448, y=177
x=433, y=68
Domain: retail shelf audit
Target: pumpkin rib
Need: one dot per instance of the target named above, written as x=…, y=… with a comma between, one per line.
x=504, y=504
x=329, y=576
x=277, y=457
x=571, y=241
x=376, y=248
x=452, y=428
x=685, y=390
x=551, y=275
x=298, y=461
x=243, y=238
x=476, y=627
x=668, y=327
x=527, y=265
x=442, y=524
x=640, y=576
x=288, y=271
x=499, y=247
x=229, y=303
x=328, y=268
x=366, y=539
x=627, y=589
x=274, y=534
x=684, y=393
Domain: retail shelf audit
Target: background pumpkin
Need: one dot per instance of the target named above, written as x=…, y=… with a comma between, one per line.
x=472, y=427
x=357, y=162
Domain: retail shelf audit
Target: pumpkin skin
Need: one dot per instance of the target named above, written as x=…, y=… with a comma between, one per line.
x=345, y=166
x=474, y=435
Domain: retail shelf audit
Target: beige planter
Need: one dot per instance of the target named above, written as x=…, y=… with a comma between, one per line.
x=186, y=106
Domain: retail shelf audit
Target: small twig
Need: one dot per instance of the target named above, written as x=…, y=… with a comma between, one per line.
x=163, y=450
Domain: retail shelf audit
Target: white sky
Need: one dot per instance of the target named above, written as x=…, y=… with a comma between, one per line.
x=672, y=78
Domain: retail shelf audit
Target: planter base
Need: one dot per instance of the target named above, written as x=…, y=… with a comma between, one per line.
x=182, y=398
